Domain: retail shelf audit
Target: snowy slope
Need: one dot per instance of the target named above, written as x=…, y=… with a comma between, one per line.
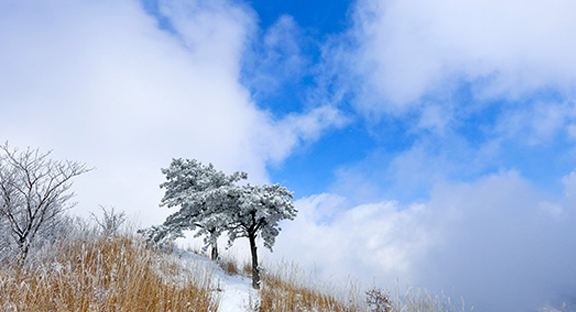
x=236, y=292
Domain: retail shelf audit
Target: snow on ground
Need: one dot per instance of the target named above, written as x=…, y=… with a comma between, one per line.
x=236, y=292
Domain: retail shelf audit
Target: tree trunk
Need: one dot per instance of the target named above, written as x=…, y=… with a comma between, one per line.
x=214, y=252
x=22, y=254
x=213, y=244
x=255, y=268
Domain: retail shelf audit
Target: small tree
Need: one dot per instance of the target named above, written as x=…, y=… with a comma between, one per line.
x=189, y=185
x=33, y=193
x=257, y=210
x=110, y=222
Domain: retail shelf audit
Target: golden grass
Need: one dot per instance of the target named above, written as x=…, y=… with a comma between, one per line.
x=247, y=269
x=282, y=293
x=104, y=274
x=285, y=289
x=229, y=266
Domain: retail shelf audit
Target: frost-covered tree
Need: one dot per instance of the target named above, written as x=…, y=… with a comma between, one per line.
x=256, y=210
x=110, y=222
x=212, y=203
x=34, y=191
x=189, y=185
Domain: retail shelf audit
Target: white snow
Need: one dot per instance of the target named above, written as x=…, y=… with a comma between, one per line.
x=235, y=292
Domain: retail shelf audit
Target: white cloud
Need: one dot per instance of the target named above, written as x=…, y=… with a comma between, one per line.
x=409, y=174
x=498, y=241
x=569, y=182
x=276, y=140
x=214, y=32
x=535, y=124
x=100, y=83
x=411, y=50
x=279, y=60
x=371, y=240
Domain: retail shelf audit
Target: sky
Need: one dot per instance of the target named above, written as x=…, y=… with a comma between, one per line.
x=430, y=142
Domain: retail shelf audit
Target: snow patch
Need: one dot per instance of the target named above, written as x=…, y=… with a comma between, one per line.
x=235, y=292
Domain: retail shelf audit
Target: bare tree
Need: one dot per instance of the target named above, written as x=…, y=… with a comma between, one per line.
x=34, y=191
x=110, y=222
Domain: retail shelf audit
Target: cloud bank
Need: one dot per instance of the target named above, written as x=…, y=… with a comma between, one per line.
x=498, y=242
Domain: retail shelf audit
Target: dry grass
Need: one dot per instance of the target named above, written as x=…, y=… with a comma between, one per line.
x=418, y=300
x=229, y=266
x=104, y=274
x=378, y=300
x=247, y=269
x=281, y=293
x=285, y=289
x=121, y=274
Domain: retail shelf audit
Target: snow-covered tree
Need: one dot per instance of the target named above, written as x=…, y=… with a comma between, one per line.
x=257, y=210
x=212, y=203
x=189, y=185
x=33, y=194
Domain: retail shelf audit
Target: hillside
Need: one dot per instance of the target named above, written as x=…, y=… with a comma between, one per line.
x=122, y=273
x=91, y=272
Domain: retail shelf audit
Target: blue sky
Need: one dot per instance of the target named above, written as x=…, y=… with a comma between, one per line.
x=430, y=141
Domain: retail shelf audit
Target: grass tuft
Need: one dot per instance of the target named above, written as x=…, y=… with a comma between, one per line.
x=229, y=266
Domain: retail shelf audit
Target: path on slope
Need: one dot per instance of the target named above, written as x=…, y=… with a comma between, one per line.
x=236, y=292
